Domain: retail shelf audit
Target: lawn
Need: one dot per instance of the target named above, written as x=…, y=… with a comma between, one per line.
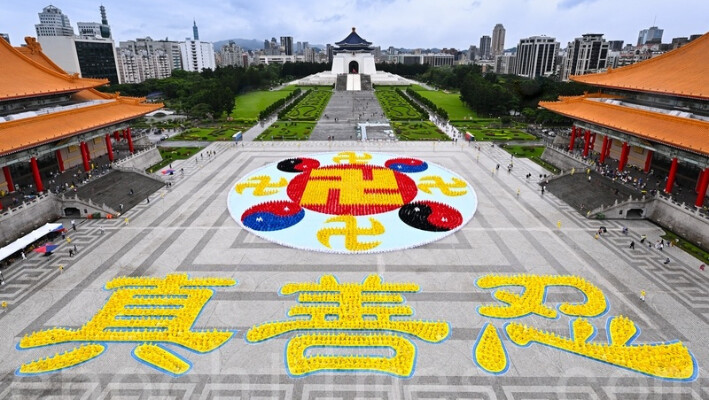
x=287, y=130
x=534, y=153
x=218, y=132
x=311, y=107
x=170, y=154
x=249, y=105
x=396, y=107
x=456, y=109
x=424, y=130
x=689, y=247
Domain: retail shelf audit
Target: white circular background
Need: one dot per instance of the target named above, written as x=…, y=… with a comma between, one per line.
x=397, y=236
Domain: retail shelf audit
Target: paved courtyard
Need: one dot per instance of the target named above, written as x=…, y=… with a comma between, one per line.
x=187, y=229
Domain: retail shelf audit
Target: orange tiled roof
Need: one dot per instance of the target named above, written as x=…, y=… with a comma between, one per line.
x=26, y=133
x=24, y=76
x=684, y=133
x=683, y=72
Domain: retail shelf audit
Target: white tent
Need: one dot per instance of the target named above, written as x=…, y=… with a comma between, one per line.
x=28, y=239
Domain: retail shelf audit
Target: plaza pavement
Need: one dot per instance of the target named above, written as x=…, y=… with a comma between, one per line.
x=187, y=229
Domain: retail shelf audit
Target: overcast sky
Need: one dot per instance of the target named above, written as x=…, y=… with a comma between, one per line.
x=399, y=23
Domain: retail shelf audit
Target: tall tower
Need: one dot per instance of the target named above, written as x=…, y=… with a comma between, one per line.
x=195, y=31
x=105, y=28
x=498, y=40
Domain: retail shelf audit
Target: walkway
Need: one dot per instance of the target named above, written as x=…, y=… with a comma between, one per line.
x=343, y=112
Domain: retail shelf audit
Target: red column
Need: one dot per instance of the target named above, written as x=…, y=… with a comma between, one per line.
x=603, y=149
x=573, y=138
x=671, y=176
x=35, y=173
x=85, y=156
x=648, y=161
x=130, y=141
x=60, y=160
x=109, y=148
x=116, y=136
x=586, y=143
x=623, y=156
x=593, y=140
x=608, y=149
x=703, y=183
x=8, y=179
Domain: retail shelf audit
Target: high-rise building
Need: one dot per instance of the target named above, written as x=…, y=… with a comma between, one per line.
x=197, y=56
x=94, y=29
x=536, y=56
x=287, y=45
x=145, y=58
x=92, y=55
x=485, y=43
x=299, y=48
x=505, y=64
x=231, y=54
x=473, y=53
x=195, y=31
x=53, y=23
x=651, y=35
x=330, y=52
x=585, y=55
x=615, y=45
x=498, y=40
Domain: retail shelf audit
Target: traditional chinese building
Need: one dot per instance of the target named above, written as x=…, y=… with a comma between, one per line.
x=656, y=109
x=50, y=119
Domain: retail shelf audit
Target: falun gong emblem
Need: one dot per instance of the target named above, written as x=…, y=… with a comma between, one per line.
x=352, y=202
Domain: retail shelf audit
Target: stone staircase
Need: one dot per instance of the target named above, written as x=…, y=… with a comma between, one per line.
x=366, y=82
x=341, y=83
x=114, y=188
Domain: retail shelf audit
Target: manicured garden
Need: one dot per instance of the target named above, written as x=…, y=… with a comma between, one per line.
x=396, y=107
x=170, y=154
x=310, y=107
x=222, y=131
x=449, y=101
x=424, y=130
x=287, y=130
x=492, y=130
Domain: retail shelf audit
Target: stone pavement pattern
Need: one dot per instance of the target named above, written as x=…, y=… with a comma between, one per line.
x=187, y=229
x=343, y=112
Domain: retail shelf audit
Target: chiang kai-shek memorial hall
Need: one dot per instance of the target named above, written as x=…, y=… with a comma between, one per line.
x=48, y=117
x=656, y=110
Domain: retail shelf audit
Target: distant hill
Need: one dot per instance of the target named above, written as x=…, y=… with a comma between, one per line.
x=251, y=44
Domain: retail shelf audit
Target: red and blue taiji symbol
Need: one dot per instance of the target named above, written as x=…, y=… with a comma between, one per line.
x=406, y=165
x=272, y=216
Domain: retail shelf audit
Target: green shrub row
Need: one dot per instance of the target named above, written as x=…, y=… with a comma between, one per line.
x=428, y=103
x=290, y=106
x=276, y=104
x=413, y=104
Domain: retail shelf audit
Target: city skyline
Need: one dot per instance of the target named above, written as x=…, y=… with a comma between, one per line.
x=414, y=25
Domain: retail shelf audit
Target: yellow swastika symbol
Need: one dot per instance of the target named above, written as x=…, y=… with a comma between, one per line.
x=351, y=232
x=352, y=158
x=429, y=182
x=261, y=185
x=382, y=189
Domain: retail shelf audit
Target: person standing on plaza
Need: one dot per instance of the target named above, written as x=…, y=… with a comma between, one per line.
x=24, y=257
x=642, y=295
x=632, y=245
x=73, y=224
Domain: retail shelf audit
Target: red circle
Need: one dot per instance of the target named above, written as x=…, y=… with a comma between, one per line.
x=368, y=190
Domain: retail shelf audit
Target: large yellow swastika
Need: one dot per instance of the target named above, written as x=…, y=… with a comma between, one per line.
x=262, y=185
x=351, y=158
x=382, y=189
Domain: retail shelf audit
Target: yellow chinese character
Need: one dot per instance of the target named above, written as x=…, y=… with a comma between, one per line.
x=532, y=298
x=147, y=311
x=362, y=312
x=669, y=360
